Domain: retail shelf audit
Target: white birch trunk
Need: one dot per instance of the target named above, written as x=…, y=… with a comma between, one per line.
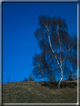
x=61, y=66
x=60, y=78
x=59, y=63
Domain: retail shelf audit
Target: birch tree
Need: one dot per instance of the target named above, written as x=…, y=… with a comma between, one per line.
x=53, y=36
x=40, y=66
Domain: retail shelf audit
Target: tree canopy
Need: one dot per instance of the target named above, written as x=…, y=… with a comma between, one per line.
x=57, y=45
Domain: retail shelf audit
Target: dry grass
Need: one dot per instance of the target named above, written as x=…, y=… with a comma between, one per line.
x=33, y=92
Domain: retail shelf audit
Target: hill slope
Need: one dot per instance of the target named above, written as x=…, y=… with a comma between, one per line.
x=37, y=92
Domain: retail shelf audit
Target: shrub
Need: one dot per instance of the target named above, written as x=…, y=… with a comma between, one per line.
x=69, y=79
x=25, y=79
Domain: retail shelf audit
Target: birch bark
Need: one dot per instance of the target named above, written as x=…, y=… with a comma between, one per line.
x=61, y=67
x=59, y=63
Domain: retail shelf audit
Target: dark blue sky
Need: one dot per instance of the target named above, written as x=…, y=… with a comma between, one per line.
x=20, y=21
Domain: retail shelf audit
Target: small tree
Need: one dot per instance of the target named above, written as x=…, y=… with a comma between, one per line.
x=8, y=79
x=40, y=65
x=31, y=78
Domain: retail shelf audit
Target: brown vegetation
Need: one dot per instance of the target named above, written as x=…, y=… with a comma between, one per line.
x=38, y=92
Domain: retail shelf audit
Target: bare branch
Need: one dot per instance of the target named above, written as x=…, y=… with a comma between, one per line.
x=66, y=54
x=68, y=62
x=57, y=70
x=56, y=47
x=46, y=43
x=51, y=45
x=53, y=50
x=59, y=43
x=67, y=46
x=42, y=36
x=40, y=68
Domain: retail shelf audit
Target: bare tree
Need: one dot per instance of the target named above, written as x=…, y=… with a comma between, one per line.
x=54, y=38
x=31, y=78
x=40, y=66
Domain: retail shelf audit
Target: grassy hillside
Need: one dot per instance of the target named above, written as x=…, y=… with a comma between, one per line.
x=38, y=92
